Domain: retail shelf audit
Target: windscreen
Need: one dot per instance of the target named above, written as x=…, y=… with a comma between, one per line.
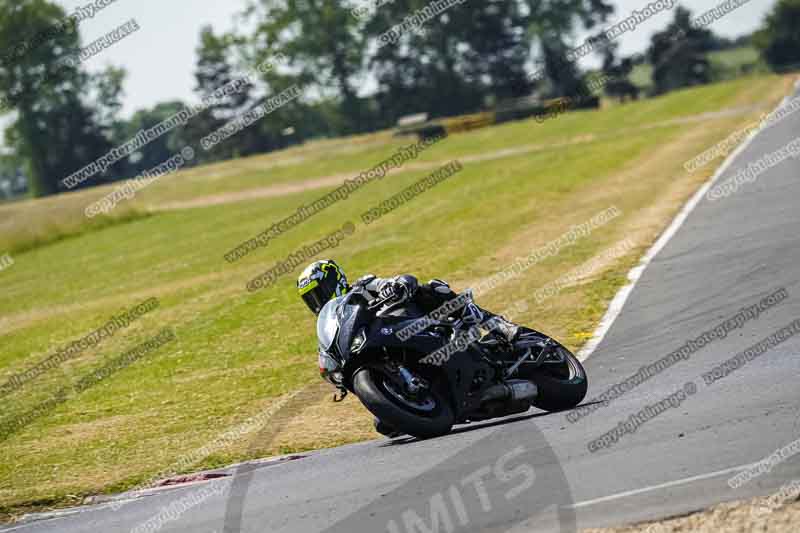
x=328, y=324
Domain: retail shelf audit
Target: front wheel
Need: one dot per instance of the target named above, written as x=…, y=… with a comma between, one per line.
x=424, y=417
x=562, y=385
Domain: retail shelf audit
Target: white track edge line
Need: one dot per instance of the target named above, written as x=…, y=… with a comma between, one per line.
x=652, y=488
x=616, y=305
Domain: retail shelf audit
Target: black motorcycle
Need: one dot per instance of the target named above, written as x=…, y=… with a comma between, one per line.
x=411, y=392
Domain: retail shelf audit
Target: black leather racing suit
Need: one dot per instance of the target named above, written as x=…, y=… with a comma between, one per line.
x=432, y=295
x=428, y=296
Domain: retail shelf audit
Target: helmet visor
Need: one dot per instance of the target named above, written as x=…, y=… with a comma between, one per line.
x=314, y=301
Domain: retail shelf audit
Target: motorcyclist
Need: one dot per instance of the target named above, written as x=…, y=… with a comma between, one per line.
x=324, y=280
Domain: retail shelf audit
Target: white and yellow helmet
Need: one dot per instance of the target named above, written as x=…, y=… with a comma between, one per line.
x=321, y=281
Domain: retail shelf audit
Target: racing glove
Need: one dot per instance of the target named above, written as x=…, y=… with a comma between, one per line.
x=399, y=289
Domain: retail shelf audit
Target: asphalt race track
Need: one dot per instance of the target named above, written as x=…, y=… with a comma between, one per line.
x=536, y=472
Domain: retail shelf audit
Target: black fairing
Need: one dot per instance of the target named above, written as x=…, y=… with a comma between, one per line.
x=353, y=315
x=458, y=372
x=465, y=375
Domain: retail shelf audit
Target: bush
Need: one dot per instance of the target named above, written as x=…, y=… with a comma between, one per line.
x=779, y=40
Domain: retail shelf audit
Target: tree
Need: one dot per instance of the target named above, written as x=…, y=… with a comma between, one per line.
x=55, y=131
x=678, y=54
x=497, y=48
x=617, y=74
x=446, y=59
x=564, y=76
x=324, y=43
x=451, y=63
x=779, y=40
x=105, y=93
x=159, y=149
x=474, y=53
x=553, y=24
x=216, y=68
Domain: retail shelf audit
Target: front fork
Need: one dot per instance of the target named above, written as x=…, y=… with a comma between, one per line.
x=412, y=384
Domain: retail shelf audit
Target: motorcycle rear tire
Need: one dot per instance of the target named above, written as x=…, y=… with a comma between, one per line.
x=561, y=387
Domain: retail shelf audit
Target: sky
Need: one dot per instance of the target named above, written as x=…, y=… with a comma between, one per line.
x=160, y=57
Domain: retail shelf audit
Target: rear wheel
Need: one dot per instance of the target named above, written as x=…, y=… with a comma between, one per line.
x=562, y=384
x=424, y=416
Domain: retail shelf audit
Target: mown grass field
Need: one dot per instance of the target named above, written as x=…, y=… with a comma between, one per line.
x=236, y=353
